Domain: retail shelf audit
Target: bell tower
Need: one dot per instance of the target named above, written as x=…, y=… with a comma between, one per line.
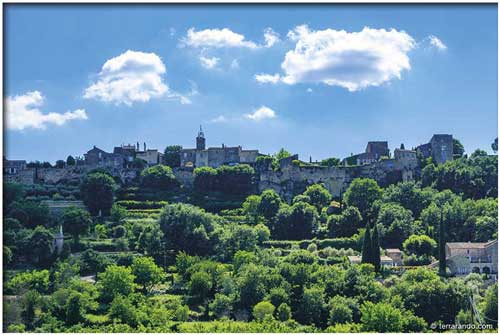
x=200, y=140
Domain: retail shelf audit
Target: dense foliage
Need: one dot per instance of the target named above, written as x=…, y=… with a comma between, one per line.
x=146, y=259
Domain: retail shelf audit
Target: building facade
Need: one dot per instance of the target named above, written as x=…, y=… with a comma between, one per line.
x=215, y=156
x=463, y=258
x=440, y=148
x=374, y=151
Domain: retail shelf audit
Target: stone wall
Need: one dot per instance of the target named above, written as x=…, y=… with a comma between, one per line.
x=185, y=176
x=293, y=179
x=23, y=177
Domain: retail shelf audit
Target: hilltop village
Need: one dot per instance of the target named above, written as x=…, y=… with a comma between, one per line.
x=126, y=162
x=227, y=239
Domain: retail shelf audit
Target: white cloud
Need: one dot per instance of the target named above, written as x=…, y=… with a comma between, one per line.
x=271, y=37
x=209, y=63
x=267, y=78
x=22, y=112
x=219, y=119
x=309, y=90
x=354, y=60
x=235, y=64
x=216, y=38
x=226, y=38
x=133, y=76
x=260, y=114
x=437, y=43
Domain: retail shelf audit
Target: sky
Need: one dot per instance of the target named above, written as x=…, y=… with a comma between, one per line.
x=318, y=80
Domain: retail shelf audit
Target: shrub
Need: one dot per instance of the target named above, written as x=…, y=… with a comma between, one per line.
x=158, y=177
x=263, y=309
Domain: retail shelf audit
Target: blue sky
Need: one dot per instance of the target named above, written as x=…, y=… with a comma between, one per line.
x=326, y=86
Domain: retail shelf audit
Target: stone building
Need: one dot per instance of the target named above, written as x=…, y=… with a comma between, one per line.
x=463, y=258
x=11, y=167
x=374, y=151
x=122, y=156
x=440, y=148
x=215, y=156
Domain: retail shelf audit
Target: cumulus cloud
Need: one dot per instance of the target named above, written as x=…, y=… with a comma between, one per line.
x=354, y=60
x=437, y=43
x=216, y=38
x=260, y=114
x=226, y=38
x=133, y=76
x=22, y=112
x=267, y=78
x=271, y=37
x=209, y=63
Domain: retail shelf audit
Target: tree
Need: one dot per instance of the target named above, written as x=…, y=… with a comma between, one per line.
x=262, y=310
x=312, y=308
x=97, y=190
x=158, y=177
x=60, y=164
x=375, y=249
x=396, y=224
x=74, y=309
x=284, y=312
x=458, y=149
x=490, y=310
x=426, y=295
x=332, y=161
x=188, y=228
x=200, y=285
x=29, y=303
x=319, y=195
x=41, y=245
x=12, y=192
x=269, y=204
x=250, y=208
x=381, y=318
x=494, y=145
x=70, y=161
x=122, y=310
x=408, y=195
x=366, y=254
x=251, y=282
x=361, y=193
x=147, y=273
x=150, y=239
x=295, y=222
x=76, y=221
x=30, y=280
x=30, y=213
x=116, y=280
x=93, y=262
x=340, y=310
x=346, y=224
x=442, y=245
x=172, y=156
x=221, y=306
x=420, y=245
x=282, y=153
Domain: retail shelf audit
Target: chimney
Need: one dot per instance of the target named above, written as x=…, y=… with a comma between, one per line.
x=144, y=146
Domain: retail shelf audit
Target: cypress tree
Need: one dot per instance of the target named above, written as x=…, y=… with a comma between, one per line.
x=442, y=252
x=375, y=249
x=366, y=255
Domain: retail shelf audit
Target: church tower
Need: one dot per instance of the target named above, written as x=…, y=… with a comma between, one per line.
x=200, y=140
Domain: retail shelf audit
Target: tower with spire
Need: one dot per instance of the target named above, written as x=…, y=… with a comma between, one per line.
x=200, y=140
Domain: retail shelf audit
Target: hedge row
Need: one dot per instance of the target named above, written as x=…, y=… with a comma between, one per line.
x=134, y=204
x=337, y=243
